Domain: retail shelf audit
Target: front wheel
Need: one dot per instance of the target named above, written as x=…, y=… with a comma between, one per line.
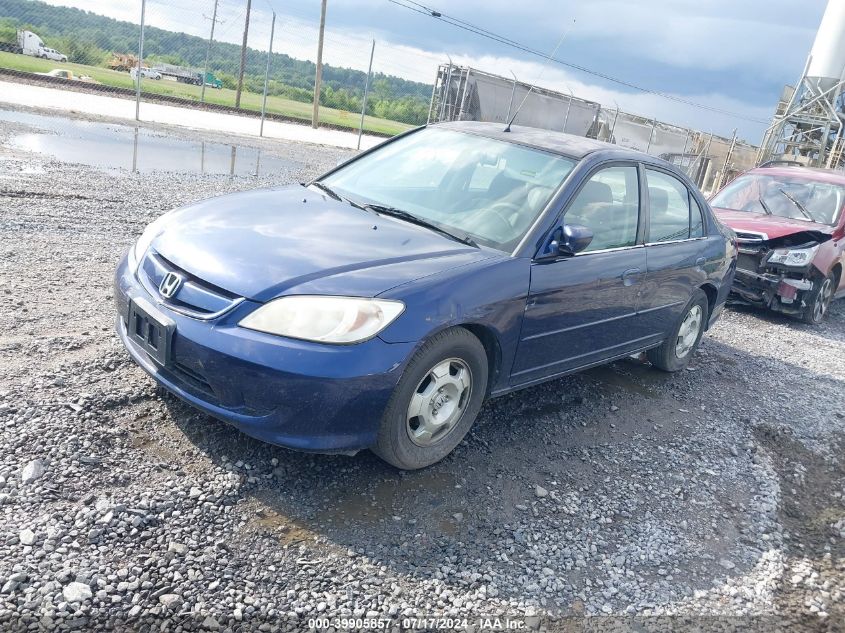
x=436, y=401
x=822, y=295
x=676, y=351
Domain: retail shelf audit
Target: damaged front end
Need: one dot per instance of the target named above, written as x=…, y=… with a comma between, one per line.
x=777, y=273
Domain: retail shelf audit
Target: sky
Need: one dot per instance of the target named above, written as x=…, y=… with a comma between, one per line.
x=733, y=55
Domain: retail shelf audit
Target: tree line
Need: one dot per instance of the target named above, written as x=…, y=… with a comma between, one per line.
x=91, y=39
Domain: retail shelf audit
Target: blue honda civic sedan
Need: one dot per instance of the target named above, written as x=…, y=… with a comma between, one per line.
x=378, y=306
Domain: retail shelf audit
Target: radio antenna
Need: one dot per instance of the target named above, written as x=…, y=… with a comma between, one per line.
x=539, y=76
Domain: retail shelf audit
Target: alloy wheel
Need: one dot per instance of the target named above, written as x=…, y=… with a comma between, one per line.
x=822, y=300
x=688, y=332
x=439, y=401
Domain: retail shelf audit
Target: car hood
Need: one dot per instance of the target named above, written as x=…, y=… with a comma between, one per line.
x=772, y=225
x=263, y=243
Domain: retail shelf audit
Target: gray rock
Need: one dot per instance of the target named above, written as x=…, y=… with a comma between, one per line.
x=77, y=592
x=170, y=600
x=26, y=536
x=32, y=471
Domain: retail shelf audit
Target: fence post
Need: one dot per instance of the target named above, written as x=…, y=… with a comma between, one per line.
x=445, y=90
x=651, y=135
x=728, y=157
x=140, y=61
x=318, y=78
x=568, y=108
x=433, y=93
x=243, y=56
x=613, y=127
x=366, y=94
x=208, y=51
x=266, y=75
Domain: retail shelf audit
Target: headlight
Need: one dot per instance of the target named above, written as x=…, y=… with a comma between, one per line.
x=324, y=319
x=793, y=257
x=153, y=230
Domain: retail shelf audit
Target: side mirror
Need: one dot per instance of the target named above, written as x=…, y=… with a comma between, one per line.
x=572, y=239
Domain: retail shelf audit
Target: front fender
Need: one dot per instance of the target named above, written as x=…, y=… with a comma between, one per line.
x=491, y=296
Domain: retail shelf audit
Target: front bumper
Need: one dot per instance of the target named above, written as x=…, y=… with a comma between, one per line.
x=306, y=396
x=771, y=290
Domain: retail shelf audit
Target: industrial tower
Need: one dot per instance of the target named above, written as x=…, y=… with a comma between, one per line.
x=809, y=123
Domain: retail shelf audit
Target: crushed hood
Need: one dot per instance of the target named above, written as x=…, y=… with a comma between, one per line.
x=263, y=243
x=776, y=227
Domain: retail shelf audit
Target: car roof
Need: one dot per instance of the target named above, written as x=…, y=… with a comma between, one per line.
x=568, y=145
x=809, y=173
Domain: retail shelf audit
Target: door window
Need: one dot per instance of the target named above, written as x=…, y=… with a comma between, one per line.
x=609, y=205
x=669, y=209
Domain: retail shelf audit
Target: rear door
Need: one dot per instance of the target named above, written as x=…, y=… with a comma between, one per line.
x=676, y=250
x=582, y=309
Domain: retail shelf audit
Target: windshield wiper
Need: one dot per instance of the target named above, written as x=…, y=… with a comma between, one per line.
x=413, y=219
x=799, y=206
x=764, y=205
x=324, y=187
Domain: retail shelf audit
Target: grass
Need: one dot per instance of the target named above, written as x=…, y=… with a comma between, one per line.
x=249, y=100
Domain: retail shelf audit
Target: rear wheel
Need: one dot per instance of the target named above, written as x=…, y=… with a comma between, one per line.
x=819, y=302
x=436, y=401
x=676, y=351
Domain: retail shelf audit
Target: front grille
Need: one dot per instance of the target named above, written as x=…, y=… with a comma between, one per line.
x=194, y=297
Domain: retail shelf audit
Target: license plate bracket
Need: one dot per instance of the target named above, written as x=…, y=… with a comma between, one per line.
x=151, y=330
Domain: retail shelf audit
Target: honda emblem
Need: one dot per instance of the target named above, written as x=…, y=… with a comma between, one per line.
x=170, y=285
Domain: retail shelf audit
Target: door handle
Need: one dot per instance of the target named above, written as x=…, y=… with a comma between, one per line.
x=629, y=277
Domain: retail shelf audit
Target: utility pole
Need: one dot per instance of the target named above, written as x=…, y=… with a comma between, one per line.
x=140, y=61
x=319, y=78
x=366, y=93
x=243, y=55
x=208, y=50
x=267, y=75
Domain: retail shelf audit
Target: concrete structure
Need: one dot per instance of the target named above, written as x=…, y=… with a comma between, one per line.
x=809, y=124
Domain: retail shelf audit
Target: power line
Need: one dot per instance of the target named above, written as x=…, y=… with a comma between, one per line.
x=422, y=9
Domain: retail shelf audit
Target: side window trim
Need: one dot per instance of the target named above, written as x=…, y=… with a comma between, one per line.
x=691, y=197
x=698, y=206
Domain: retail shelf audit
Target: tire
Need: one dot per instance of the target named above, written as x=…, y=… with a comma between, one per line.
x=446, y=381
x=822, y=295
x=675, y=354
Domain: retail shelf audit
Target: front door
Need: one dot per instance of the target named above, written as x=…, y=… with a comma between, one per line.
x=582, y=309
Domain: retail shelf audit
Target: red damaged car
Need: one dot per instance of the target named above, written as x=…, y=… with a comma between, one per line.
x=790, y=229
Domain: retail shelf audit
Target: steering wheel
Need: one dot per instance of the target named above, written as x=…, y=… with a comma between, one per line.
x=499, y=211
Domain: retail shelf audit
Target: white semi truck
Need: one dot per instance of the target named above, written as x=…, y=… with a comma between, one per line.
x=28, y=43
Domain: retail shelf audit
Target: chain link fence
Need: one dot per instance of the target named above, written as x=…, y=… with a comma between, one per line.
x=192, y=57
x=206, y=54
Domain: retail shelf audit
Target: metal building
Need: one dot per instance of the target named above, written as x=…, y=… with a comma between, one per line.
x=462, y=93
x=809, y=121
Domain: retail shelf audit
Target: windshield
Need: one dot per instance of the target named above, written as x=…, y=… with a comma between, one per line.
x=784, y=196
x=471, y=186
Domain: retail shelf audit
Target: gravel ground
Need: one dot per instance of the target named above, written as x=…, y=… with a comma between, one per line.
x=621, y=491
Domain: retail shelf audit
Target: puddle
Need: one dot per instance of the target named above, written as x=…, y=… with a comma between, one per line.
x=112, y=146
